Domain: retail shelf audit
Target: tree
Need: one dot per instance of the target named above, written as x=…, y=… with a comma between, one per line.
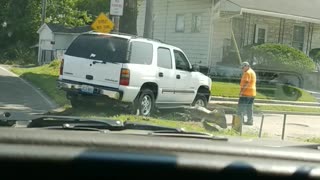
x=21, y=22
x=65, y=12
x=128, y=21
x=94, y=7
x=280, y=57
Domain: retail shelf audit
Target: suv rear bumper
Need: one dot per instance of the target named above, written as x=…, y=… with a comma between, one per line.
x=98, y=90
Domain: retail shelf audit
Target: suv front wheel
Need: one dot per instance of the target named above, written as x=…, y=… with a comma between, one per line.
x=200, y=100
x=145, y=104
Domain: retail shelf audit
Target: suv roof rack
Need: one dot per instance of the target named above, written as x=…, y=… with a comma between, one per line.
x=136, y=36
x=131, y=35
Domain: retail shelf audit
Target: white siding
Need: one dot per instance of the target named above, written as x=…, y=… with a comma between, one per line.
x=221, y=39
x=195, y=45
x=63, y=41
x=46, y=34
x=45, y=38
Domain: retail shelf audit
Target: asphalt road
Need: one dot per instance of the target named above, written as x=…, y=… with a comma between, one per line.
x=17, y=95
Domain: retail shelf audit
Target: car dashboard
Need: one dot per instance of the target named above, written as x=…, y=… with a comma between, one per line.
x=38, y=153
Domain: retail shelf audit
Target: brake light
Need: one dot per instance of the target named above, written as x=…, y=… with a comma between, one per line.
x=125, y=77
x=61, y=67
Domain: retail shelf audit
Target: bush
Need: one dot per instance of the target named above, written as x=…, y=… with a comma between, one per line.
x=19, y=54
x=279, y=57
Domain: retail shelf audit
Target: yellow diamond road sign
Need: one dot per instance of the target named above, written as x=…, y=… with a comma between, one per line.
x=102, y=24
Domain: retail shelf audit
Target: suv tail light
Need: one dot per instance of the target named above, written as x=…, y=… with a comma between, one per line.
x=125, y=77
x=61, y=67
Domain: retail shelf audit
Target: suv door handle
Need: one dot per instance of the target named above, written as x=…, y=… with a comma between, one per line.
x=160, y=74
x=178, y=76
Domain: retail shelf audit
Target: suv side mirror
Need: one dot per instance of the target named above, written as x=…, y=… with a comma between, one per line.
x=195, y=67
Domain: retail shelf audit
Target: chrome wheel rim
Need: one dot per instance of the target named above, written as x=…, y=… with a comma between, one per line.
x=146, y=105
x=200, y=103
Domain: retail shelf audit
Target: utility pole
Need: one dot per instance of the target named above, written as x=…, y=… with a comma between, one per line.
x=43, y=14
x=116, y=20
x=148, y=23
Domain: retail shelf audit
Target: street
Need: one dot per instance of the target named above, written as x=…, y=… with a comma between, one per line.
x=18, y=95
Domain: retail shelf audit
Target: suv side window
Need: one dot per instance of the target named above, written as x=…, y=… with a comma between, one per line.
x=181, y=61
x=141, y=53
x=164, y=58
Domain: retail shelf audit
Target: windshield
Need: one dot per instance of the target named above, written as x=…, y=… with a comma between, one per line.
x=247, y=69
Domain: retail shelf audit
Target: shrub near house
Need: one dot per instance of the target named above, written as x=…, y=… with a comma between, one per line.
x=285, y=66
x=281, y=57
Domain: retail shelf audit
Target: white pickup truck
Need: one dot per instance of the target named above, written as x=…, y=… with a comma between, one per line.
x=144, y=73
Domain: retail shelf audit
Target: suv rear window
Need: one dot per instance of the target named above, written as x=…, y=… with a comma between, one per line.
x=99, y=47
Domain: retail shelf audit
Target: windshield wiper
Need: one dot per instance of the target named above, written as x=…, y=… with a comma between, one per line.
x=102, y=125
x=77, y=123
x=74, y=123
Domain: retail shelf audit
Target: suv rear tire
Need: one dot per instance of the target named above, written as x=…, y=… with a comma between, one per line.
x=145, y=104
x=200, y=100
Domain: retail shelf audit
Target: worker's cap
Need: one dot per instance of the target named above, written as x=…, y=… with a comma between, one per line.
x=245, y=64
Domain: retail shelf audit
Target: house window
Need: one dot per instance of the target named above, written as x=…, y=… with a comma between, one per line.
x=180, y=23
x=196, y=23
x=298, y=37
x=261, y=34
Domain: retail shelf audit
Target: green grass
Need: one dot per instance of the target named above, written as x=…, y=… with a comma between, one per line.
x=223, y=89
x=257, y=108
x=312, y=140
x=45, y=77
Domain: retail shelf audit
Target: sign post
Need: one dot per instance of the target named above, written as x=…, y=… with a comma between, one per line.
x=116, y=10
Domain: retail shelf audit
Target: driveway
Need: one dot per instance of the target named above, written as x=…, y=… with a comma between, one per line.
x=18, y=95
x=297, y=126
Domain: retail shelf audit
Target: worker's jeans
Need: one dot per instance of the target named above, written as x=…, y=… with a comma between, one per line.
x=245, y=106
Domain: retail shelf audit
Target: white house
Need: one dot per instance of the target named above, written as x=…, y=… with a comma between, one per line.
x=55, y=39
x=212, y=31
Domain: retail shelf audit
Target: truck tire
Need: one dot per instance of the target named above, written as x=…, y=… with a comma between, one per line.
x=200, y=100
x=145, y=104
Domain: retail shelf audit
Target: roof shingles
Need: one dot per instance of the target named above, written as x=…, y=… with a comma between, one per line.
x=62, y=29
x=302, y=8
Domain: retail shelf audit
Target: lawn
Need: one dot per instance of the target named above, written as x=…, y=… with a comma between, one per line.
x=223, y=89
x=231, y=108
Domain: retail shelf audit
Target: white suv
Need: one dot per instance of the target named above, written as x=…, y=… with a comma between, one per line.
x=146, y=74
